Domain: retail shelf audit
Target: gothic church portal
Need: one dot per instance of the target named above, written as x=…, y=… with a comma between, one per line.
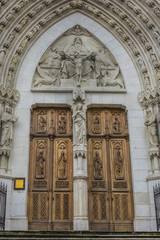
x=79, y=108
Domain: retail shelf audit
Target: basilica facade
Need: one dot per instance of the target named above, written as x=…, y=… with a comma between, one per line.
x=79, y=114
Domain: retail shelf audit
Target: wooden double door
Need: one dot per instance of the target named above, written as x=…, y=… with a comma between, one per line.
x=50, y=190
x=109, y=173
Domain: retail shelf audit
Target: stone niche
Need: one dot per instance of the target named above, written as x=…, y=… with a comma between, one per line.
x=78, y=59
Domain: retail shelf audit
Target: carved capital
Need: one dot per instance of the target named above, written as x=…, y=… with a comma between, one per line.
x=80, y=153
x=150, y=97
x=154, y=153
x=9, y=96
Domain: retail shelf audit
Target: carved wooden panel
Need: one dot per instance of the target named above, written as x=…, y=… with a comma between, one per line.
x=50, y=204
x=96, y=120
x=55, y=121
x=109, y=175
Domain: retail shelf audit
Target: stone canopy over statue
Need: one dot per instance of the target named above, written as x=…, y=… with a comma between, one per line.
x=77, y=59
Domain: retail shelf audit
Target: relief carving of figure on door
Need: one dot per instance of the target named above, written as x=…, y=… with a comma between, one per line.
x=118, y=164
x=97, y=166
x=62, y=161
x=40, y=165
x=116, y=125
x=62, y=123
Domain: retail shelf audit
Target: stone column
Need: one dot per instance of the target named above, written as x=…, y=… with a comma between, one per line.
x=80, y=196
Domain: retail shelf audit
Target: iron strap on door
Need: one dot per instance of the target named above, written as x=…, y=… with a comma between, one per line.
x=3, y=194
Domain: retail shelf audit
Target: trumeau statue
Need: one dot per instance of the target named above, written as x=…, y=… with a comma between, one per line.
x=78, y=59
x=79, y=121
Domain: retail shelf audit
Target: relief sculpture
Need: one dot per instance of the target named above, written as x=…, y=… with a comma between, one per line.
x=40, y=165
x=118, y=164
x=78, y=59
x=62, y=161
x=97, y=166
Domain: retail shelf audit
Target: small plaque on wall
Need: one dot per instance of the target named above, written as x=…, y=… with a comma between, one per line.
x=19, y=184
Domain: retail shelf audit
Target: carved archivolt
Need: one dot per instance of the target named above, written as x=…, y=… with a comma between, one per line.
x=135, y=28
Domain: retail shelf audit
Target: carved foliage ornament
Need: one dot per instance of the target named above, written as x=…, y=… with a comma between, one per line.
x=9, y=96
x=150, y=97
x=78, y=59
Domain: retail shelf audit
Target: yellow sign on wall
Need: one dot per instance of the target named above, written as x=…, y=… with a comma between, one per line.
x=19, y=183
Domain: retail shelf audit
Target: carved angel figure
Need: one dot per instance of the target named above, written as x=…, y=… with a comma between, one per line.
x=7, y=122
x=79, y=125
x=151, y=129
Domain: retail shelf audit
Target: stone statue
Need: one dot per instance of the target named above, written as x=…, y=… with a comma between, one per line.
x=158, y=126
x=2, y=54
x=151, y=129
x=97, y=167
x=62, y=166
x=79, y=125
x=40, y=165
x=7, y=121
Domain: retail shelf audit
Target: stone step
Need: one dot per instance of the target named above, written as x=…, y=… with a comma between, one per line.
x=76, y=235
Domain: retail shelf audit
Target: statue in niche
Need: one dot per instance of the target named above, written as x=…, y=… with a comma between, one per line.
x=79, y=124
x=151, y=128
x=7, y=121
x=40, y=165
x=62, y=124
x=97, y=167
x=116, y=125
x=79, y=58
x=96, y=125
x=118, y=165
x=42, y=123
x=62, y=166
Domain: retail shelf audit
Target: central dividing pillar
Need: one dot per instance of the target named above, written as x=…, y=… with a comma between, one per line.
x=80, y=196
